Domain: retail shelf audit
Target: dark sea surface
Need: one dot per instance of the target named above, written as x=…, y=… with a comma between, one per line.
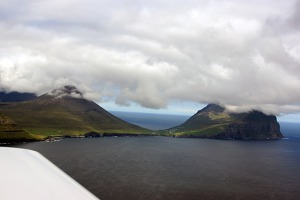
x=178, y=168
x=147, y=168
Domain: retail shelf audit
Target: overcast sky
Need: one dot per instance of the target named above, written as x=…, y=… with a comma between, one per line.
x=150, y=54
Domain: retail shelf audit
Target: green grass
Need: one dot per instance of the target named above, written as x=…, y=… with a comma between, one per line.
x=206, y=131
x=11, y=132
x=16, y=135
x=218, y=116
x=206, y=123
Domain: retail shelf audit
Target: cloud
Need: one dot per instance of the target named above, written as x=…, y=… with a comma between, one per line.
x=242, y=54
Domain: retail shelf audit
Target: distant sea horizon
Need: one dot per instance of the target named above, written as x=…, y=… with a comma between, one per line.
x=156, y=121
x=153, y=121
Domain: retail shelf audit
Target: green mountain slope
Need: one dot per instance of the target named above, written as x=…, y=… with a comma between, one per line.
x=10, y=132
x=65, y=112
x=214, y=121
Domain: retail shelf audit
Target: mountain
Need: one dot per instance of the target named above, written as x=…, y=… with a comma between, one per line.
x=64, y=112
x=16, y=96
x=10, y=132
x=214, y=121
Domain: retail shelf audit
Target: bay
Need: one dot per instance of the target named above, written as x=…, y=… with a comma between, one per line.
x=179, y=168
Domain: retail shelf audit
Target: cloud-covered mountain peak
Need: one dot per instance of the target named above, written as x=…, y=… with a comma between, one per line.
x=66, y=91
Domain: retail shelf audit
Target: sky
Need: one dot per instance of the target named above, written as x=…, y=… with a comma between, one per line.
x=156, y=56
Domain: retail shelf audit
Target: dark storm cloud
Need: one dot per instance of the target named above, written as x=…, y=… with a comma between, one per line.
x=244, y=54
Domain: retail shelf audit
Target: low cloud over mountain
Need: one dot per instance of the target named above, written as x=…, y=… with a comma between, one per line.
x=243, y=54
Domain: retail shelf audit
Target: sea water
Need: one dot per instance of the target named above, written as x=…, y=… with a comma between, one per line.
x=150, y=120
x=180, y=168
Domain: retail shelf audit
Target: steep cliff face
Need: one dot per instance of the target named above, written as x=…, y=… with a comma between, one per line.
x=254, y=125
x=215, y=121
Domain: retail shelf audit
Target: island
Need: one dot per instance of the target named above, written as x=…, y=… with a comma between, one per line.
x=215, y=122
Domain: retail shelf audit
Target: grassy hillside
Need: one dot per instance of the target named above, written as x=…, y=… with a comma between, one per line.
x=10, y=132
x=65, y=115
x=207, y=122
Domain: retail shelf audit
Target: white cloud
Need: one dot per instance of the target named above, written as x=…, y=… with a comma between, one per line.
x=243, y=54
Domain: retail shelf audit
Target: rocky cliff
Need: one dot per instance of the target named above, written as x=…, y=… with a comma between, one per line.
x=214, y=121
x=254, y=125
